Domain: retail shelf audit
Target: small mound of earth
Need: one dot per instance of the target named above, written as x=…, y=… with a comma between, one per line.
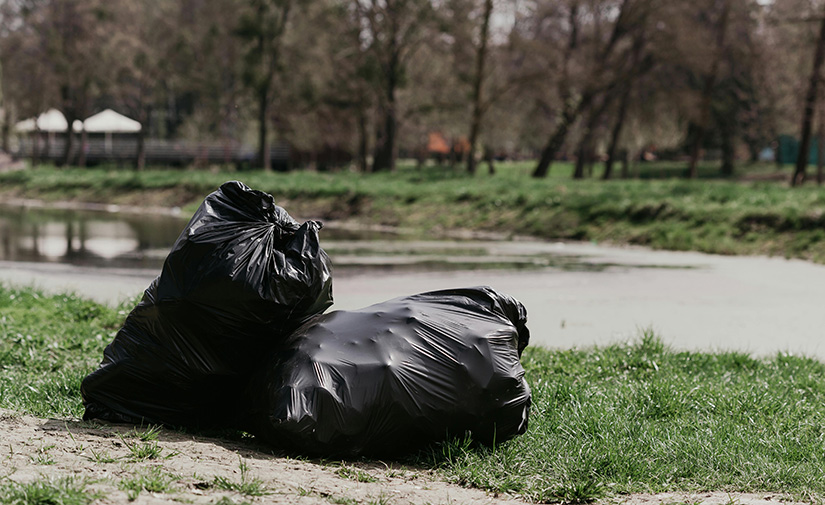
x=197, y=468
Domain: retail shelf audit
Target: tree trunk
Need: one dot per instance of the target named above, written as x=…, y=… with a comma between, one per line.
x=81, y=153
x=569, y=113
x=626, y=164
x=707, y=91
x=728, y=151
x=66, y=157
x=140, y=157
x=35, y=137
x=616, y=134
x=384, y=158
x=478, y=80
x=810, y=104
x=263, y=129
x=490, y=158
x=586, y=148
x=621, y=114
x=548, y=154
x=363, y=134
x=7, y=116
x=385, y=146
x=5, y=108
x=820, y=141
x=582, y=156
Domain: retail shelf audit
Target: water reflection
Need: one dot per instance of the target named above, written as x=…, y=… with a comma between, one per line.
x=94, y=238
x=86, y=238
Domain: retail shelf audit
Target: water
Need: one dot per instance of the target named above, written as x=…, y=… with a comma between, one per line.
x=117, y=240
x=576, y=295
x=85, y=238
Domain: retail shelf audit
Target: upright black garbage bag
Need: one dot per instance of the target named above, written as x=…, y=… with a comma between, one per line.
x=239, y=279
x=397, y=375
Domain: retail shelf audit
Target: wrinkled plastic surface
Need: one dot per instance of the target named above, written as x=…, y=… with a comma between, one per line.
x=242, y=275
x=397, y=375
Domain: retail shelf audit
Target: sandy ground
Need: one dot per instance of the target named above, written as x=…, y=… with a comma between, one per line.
x=34, y=449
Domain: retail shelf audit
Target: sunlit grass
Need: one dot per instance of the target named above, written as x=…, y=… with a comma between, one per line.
x=48, y=344
x=44, y=490
x=630, y=417
x=640, y=417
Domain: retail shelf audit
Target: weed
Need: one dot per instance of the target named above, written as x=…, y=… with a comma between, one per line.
x=152, y=479
x=246, y=486
x=100, y=457
x=342, y=500
x=42, y=456
x=225, y=500
x=382, y=499
x=148, y=434
x=143, y=451
x=356, y=474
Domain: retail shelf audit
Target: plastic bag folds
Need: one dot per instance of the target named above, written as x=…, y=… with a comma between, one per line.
x=239, y=279
x=397, y=375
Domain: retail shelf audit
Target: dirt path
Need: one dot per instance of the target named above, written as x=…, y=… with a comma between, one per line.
x=34, y=449
x=49, y=449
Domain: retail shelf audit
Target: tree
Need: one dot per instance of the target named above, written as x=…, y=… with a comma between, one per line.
x=598, y=77
x=262, y=27
x=141, y=49
x=477, y=97
x=809, y=106
x=75, y=34
x=710, y=81
x=392, y=30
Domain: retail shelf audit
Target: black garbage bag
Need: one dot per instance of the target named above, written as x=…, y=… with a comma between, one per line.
x=239, y=279
x=397, y=375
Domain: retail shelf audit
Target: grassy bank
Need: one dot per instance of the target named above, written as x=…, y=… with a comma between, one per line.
x=659, y=210
x=625, y=418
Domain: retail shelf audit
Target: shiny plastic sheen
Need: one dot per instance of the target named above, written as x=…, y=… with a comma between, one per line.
x=397, y=375
x=240, y=278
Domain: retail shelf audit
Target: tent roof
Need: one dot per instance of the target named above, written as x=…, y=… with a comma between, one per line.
x=111, y=121
x=50, y=121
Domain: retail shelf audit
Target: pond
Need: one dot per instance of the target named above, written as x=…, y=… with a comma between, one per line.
x=122, y=240
x=576, y=294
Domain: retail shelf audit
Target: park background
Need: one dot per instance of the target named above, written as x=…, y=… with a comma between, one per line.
x=445, y=119
x=331, y=85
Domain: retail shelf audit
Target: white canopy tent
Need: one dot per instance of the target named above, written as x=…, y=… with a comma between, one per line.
x=109, y=121
x=51, y=121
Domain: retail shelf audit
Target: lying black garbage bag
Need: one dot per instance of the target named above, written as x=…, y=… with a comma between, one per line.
x=240, y=278
x=397, y=375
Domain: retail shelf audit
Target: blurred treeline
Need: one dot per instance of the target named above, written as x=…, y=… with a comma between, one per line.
x=369, y=80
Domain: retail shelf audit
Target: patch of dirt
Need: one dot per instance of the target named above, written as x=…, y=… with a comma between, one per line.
x=34, y=449
x=714, y=498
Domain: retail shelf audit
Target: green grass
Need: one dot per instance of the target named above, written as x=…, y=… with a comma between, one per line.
x=152, y=479
x=635, y=417
x=246, y=485
x=47, y=491
x=48, y=344
x=748, y=215
x=643, y=418
x=356, y=474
